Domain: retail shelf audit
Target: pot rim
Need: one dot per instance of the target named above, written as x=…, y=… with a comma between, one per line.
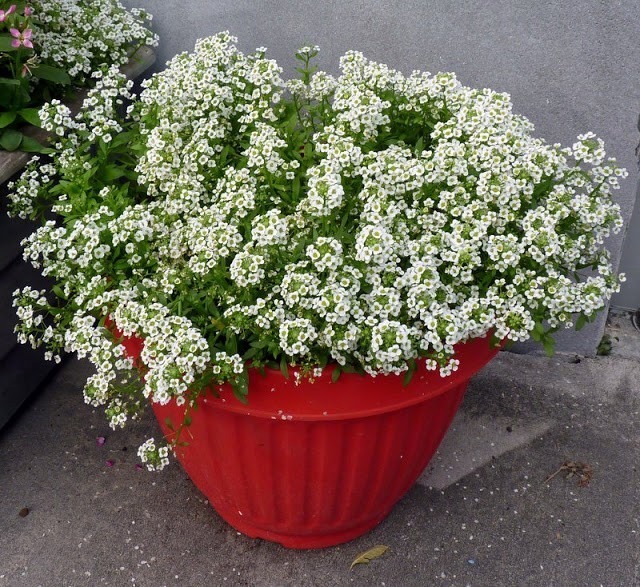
x=272, y=396
x=353, y=395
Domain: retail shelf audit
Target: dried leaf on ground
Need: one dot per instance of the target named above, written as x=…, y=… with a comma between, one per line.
x=369, y=555
x=583, y=471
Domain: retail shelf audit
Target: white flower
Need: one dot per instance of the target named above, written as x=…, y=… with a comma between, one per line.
x=371, y=219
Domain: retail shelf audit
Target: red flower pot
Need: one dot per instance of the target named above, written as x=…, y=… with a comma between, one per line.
x=317, y=464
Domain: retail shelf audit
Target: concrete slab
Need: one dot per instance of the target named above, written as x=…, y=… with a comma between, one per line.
x=501, y=525
x=472, y=442
x=623, y=335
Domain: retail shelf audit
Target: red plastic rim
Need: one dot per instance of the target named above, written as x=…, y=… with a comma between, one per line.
x=351, y=395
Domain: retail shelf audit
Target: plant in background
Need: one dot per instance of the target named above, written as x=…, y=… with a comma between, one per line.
x=359, y=223
x=45, y=50
x=18, y=69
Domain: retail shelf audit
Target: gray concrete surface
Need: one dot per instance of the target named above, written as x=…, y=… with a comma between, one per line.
x=570, y=67
x=482, y=515
x=624, y=336
x=629, y=296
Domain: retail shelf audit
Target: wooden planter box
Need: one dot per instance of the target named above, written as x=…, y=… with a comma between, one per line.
x=23, y=370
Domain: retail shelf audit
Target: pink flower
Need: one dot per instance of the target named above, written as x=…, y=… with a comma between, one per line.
x=4, y=14
x=110, y=463
x=21, y=38
x=28, y=11
x=100, y=440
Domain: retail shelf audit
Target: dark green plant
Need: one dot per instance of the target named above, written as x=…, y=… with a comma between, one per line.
x=25, y=82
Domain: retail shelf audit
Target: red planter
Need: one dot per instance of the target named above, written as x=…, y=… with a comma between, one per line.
x=318, y=464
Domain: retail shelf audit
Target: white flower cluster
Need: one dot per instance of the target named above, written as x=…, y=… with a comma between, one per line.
x=174, y=353
x=371, y=220
x=31, y=308
x=81, y=35
x=155, y=458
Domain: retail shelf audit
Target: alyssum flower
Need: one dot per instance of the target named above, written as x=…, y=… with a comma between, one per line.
x=364, y=221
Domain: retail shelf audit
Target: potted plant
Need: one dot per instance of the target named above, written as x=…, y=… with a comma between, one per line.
x=305, y=274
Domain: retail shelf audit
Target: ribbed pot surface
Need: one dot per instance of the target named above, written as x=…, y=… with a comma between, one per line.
x=311, y=465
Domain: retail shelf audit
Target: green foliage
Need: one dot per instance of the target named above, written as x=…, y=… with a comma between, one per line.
x=605, y=346
x=51, y=74
x=6, y=118
x=544, y=337
x=10, y=139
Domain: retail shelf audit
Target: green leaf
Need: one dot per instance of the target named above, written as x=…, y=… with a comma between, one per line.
x=408, y=376
x=295, y=188
x=51, y=74
x=120, y=140
x=121, y=264
x=291, y=122
x=5, y=43
x=6, y=118
x=187, y=421
x=549, y=345
x=223, y=156
x=252, y=352
x=284, y=367
x=56, y=289
x=111, y=172
x=353, y=369
x=231, y=345
x=369, y=555
x=8, y=81
x=30, y=145
x=30, y=115
x=582, y=320
x=240, y=387
x=323, y=360
x=168, y=423
x=11, y=139
x=538, y=332
x=336, y=374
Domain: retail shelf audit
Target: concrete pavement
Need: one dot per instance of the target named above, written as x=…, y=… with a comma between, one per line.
x=481, y=515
